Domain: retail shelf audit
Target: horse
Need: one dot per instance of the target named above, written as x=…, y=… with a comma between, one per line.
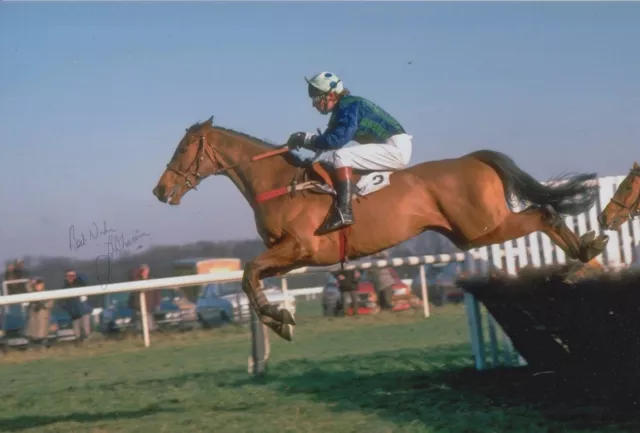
x=624, y=204
x=468, y=199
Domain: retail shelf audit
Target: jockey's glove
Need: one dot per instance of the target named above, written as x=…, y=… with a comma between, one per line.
x=301, y=139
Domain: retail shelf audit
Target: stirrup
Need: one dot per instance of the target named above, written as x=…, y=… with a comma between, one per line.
x=336, y=222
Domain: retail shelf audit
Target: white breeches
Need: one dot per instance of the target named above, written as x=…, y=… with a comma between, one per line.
x=392, y=155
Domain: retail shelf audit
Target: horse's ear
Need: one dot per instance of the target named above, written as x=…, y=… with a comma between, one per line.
x=210, y=121
x=636, y=165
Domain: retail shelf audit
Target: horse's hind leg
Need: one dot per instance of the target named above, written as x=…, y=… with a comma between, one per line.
x=535, y=219
x=278, y=260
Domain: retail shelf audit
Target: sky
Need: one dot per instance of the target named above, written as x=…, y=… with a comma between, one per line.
x=94, y=98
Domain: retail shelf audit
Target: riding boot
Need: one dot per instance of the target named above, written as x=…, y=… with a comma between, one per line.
x=341, y=215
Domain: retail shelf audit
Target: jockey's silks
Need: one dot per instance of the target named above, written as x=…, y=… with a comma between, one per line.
x=357, y=119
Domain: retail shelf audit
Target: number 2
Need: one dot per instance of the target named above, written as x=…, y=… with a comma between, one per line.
x=377, y=179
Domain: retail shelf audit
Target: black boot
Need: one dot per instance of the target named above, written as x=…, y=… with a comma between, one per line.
x=341, y=215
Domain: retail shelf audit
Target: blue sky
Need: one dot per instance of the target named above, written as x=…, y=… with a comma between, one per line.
x=94, y=97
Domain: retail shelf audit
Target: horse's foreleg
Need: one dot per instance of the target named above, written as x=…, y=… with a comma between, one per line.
x=278, y=260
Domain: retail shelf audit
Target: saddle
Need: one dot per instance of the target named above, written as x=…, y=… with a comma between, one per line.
x=315, y=178
x=365, y=181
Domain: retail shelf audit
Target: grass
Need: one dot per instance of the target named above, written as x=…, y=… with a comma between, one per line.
x=384, y=373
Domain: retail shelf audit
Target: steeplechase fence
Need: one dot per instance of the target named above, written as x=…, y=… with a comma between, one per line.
x=536, y=251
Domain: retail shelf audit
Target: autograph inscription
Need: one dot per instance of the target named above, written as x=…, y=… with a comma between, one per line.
x=78, y=241
x=116, y=245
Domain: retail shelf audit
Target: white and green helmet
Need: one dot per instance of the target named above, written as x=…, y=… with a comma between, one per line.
x=324, y=82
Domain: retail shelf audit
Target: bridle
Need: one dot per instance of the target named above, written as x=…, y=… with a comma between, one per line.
x=633, y=209
x=205, y=149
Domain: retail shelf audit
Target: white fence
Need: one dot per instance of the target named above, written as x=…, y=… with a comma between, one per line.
x=221, y=277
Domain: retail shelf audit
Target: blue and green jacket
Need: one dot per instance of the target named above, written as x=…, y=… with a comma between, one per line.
x=357, y=119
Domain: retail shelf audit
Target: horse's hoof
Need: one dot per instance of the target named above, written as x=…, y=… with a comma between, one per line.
x=596, y=247
x=588, y=237
x=600, y=243
x=285, y=331
x=286, y=317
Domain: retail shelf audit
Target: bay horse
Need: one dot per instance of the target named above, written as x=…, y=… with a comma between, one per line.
x=624, y=204
x=469, y=199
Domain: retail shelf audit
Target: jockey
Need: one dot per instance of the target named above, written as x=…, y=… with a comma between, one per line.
x=383, y=143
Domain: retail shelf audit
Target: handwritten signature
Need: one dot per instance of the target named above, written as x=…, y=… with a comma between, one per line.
x=103, y=270
x=77, y=242
x=116, y=245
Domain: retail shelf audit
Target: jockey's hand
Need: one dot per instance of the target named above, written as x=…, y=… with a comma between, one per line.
x=300, y=139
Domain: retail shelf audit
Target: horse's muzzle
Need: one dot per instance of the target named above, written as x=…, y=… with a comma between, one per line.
x=161, y=193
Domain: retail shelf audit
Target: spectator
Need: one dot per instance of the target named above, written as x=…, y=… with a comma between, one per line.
x=152, y=298
x=80, y=311
x=383, y=281
x=20, y=271
x=38, y=317
x=10, y=272
x=348, y=285
x=16, y=271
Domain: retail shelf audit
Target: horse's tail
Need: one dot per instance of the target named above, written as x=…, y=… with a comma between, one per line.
x=568, y=194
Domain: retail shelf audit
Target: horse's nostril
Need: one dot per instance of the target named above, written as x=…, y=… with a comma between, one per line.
x=158, y=191
x=602, y=220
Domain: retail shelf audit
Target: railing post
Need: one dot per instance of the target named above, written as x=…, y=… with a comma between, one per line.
x=285, y=291
x=143, y=317
x=258, y=349
x=476, y=335
x=425, y=294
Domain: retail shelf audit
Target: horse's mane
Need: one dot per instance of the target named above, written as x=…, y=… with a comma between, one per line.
x=291, y=158
x=270, y=145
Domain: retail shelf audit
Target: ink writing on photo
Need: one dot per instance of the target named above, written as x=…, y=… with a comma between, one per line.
x=103, y=270
x=117, y=244
x=79, y=240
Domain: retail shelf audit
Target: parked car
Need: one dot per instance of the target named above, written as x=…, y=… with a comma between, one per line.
x=221, y=303
x=65, y=330
x=117, y=316
x=176, y=311
x=14, y=319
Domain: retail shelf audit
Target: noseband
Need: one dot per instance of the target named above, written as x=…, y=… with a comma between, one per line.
x=633, y=209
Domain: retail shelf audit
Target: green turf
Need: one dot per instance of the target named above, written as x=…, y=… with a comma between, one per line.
x=386, y=373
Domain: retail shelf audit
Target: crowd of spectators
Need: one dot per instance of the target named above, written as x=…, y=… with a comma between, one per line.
x=38, y=314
